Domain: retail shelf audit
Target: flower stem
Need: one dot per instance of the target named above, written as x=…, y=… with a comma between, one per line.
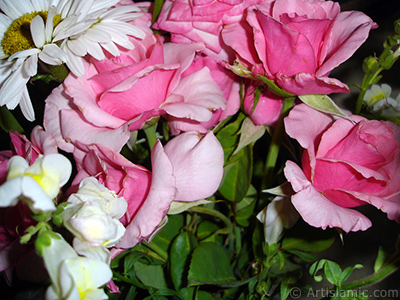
x=385, y=271
x=367, y=80
x=276, y=141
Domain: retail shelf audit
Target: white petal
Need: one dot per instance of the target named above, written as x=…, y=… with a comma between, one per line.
x=16, y=167
x=26, y=106
x=98, y=34
x=10, y=192
x=77, y=47
x=49, y=23
x=75, y=64
x=30, y=65
x=111, y=48
x=11, y=91
x=24, y=54
x=88, y=273
x=38, y=199
x=53, y=55
x=95, y=50
x=16, y=8
x=37, y=31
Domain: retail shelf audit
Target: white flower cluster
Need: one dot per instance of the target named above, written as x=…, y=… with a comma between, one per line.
x=56, y=32
x=92, y=215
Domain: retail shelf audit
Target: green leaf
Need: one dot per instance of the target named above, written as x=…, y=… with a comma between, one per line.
x=315, y=267
x=284, y=190
x=167, y=234
x=245, y=208
x=238, y=176
x=181, y=248
x=309, y=240
x=289, y=279
x=249, y=133
x=210, y=264
x=8, y=122
x=324, y=104
x=228, y=136
x=179, y=206
x=380, y=259
x=150, y=275
x=346, y=273
x=305, y=256
x=332, y=272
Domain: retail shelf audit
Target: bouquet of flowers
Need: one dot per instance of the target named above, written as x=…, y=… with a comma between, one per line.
x=191, y=149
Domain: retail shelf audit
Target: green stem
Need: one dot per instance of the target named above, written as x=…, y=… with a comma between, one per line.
x=213, y=213
x=376, y=277
x=276, y=141
x=367, y=80
x=151, y=135
x=158, y=250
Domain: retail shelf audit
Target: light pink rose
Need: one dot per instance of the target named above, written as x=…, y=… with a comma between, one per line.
x=229, y=84
x=297, y=43
x=193, y=21
x=188, y=168
x=129, y=90
x=344, y=165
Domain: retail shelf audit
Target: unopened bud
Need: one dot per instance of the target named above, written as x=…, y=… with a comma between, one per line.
x=370, y=64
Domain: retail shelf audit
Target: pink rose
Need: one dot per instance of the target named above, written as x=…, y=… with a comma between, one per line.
x=344, y=165
x=229, y=84
x=267, y=109
x=297, y=43
x=188, y=168
x=192, y=21
x=124, y=92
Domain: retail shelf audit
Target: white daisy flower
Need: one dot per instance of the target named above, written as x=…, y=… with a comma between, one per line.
x=56, y=32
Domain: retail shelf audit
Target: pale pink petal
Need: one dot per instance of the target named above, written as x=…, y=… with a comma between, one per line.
x=157, y=203
x=316, y=209
x=74, y=129
x=198, y=165
x=306, y=125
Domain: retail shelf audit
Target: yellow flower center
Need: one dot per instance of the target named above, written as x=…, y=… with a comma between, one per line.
x=18, y=36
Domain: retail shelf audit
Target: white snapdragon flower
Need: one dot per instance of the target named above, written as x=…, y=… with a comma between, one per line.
x=38, y=184
x=56, y=32
x=73, y=277
x=378, y=98
x=92, y=215
x=276, y=216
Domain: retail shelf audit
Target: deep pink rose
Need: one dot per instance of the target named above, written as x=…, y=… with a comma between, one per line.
x=267, y=109
x=344, y=165
x=192, y=21
x=297, y=43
